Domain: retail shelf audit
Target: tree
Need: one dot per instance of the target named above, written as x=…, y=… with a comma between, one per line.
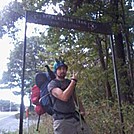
x=14, y=74
x=8, y=16
x=6, y=105
x=125, y=82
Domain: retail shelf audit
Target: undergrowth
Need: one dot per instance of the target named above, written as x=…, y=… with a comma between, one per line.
x=101, y=118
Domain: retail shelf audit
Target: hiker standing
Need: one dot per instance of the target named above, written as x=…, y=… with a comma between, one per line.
x=65, y=118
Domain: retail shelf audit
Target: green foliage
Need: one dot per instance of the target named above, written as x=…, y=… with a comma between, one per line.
x=13, y=76
x=8, y=16
x=6, y=105
x=103, y=119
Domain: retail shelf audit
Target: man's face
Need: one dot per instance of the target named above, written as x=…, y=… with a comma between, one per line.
x=61, y=72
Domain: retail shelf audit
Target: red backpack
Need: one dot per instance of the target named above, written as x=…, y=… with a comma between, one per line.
x=35, y=96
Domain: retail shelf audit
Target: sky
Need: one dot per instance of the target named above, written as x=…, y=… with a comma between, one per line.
x=5, y=45
x=5, y=48
x=3, y=3
x=6, y=94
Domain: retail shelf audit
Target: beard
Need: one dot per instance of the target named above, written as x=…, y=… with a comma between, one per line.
x=62, y=76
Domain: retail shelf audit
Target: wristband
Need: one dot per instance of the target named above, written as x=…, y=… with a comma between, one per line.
x=74, y=80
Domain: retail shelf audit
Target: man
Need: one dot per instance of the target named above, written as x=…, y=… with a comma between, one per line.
x=65, y=118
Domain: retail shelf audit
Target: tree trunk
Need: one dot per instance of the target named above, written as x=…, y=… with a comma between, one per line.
x=120, y=55
x=103, y=64
x=121, y=62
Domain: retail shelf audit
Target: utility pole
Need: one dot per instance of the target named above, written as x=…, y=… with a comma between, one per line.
x=23, y=77
x=117, y=86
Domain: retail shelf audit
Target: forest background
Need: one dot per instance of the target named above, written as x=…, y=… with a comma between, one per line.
x=87, y=52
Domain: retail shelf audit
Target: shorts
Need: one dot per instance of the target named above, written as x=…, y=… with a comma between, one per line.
x=70, y=126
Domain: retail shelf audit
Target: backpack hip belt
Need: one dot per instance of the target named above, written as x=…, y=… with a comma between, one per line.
x=61, y=116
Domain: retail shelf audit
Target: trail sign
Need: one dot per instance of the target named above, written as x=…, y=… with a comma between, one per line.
x=68, y=22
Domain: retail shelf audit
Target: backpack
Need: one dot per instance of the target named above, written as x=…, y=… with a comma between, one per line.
x=40, y=96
